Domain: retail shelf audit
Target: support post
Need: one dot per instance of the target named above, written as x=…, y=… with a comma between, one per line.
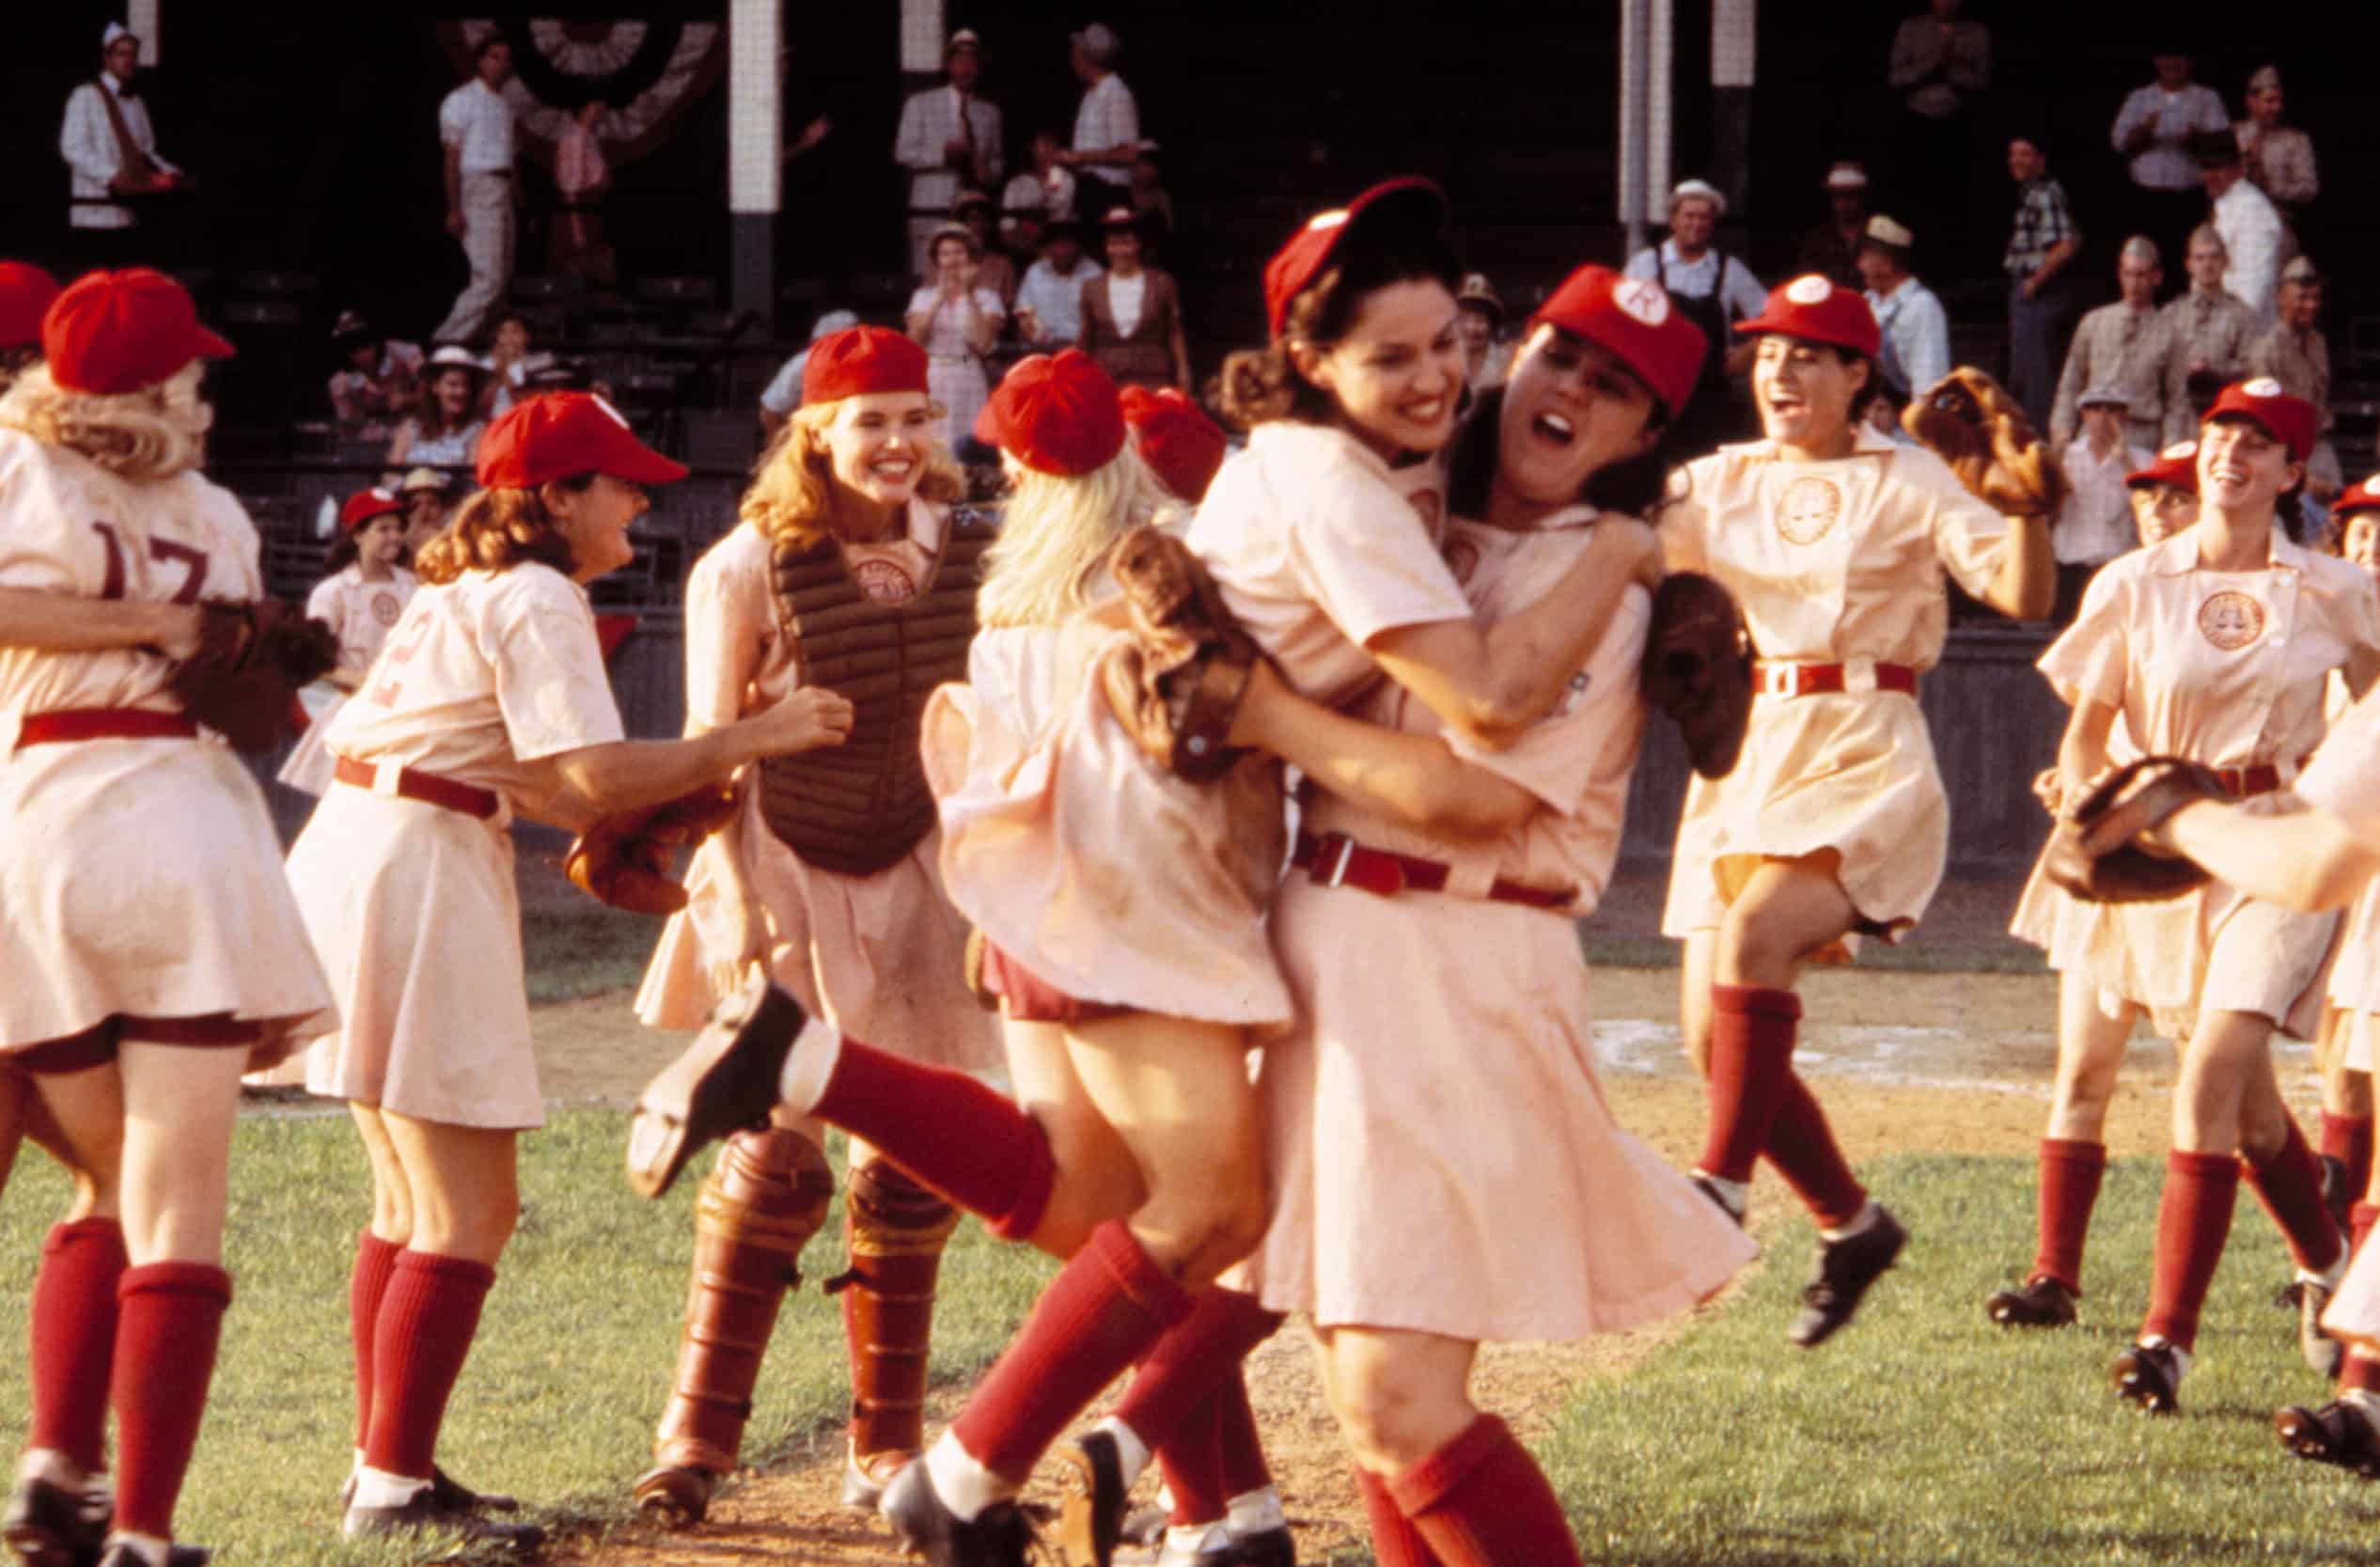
x=756, y=140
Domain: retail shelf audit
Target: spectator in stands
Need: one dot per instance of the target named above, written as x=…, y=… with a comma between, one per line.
x=1832, y=248
x=2120, y=345
x=2040, y=242
x=2153, y=130
x=2207, y=333
x=575, y=242
x=2095, y=525
x=110, y=149
x=378, y=380
x=956, y=318
x=1940, y=63
x=2246, y=219
x=2292, y=353
x=1479, y=316
x=2279, y=159
x=994, y=270
x=1106, y=127
x=511, y=364
x=475, y=127
x=446, y=433
x=427, y=493
x=784, y=394
x=1046, y=185
x=949, y=138
x=1049, y=302
x=1149, y=197
x=1715, y=290
x=1132, y=314
x=1916, y=330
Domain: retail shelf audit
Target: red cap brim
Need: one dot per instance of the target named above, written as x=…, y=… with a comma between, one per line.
x=638, y=463
x=211, y=345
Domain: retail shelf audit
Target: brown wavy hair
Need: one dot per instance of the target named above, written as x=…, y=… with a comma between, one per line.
x=789, y=496
x=495, y=530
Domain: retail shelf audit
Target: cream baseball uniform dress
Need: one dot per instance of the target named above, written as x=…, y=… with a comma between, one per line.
x=140, y=877
x=2354, y=986
x=413, y=905
x=2344, y=780
x=362, y=614
x=1440, y=1153
x=2227, y=668
x=1832, y=562
x=881, y=957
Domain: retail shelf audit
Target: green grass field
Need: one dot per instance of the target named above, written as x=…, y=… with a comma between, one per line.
x=1922, y=1435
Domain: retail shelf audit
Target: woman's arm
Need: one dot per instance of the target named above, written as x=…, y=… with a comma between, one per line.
x=920, y=323
x=1411, y=778
x=64, y=623
x=1489, y=685
x=2082, y=753
x=2026, y=584
x=982, y=326
x=2281, y=850
x=401, y=444
x=575, y=789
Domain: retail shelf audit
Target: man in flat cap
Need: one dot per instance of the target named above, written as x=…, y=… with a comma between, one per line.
x=1713, y=290
x=2292, y=353
x=111, y=153
x=1832, y=248
x=949, y=140
x=1914, y=328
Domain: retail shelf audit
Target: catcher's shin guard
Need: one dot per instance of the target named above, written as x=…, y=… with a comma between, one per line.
x=764, y=1200
x=897, y=1229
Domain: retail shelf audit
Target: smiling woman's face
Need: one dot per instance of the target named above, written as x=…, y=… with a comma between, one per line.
x=1397, y=373
x=1804, y=389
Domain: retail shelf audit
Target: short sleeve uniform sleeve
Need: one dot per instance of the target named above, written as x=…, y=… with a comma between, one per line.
x=1368, y=566
x=1970, y=537
x=550, y=682
x=41, y=550
x=1557, y=759
x=2344, y=775
x=327, y=605
x=723, y=654
x=2092, y=658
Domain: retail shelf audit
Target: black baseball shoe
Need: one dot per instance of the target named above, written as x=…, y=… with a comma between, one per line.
x=2148, y=1375
x=2337, y=1432
x=674, y=1495
x=1845, y=1270
x=999, y=1536
x=449, y=1491
x=50, y=1526
x=723, y=1082
x=1091, y=1518
x=2041, y=1302
x=176, y=1554
x=1269, y=1547
x=426, y=1514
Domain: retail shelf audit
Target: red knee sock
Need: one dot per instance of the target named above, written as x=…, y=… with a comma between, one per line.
x=1752, y=1032
x=1395, y=1543
x=1106, y=1310
x=1192, y=1460
x=72, y=1320
x=1192, y=1361
x=1243, y=1466
x=375, y=1261
x=2193, y=1219
x=427, y=1320
x=1481, y=1501
x=2071, y=1172
x=2290, y=1186
x=2348, y=1140
x=1802, y=1147
x=965, y=1139
x=2361, y=1219
x=169, y=1319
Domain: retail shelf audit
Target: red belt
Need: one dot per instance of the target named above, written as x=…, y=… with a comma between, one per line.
x=1809, y=680
x=2262, y=779
x=428, y=787
x=1334, y=859
x=104, y=723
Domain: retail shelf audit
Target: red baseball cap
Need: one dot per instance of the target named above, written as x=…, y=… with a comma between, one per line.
x=26, y=293
x=2358, y=496
x=2290, y=420
x=2177, y=465
x=1054, y=413
x=862, y=359
x=1181, y=445
x=1634, y=317
x=364, y=504
x=560, y=434
x=1815, y=308
x=1411, y=199
x=116, y=332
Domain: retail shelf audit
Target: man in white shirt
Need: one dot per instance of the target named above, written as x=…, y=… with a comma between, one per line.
x=2153, y=130
x=2249, y=222
x=2095, y=525
x=1106, y=127
x=1049, y=302
x=475, y=126
x=110, y=149
x=1713, y=290
x=1915, y=351
x=949, y=139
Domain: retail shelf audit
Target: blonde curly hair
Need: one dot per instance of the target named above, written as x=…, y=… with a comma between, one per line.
x=1054, y=533
x=792, y=485
x=153, y=433
x=493, y=530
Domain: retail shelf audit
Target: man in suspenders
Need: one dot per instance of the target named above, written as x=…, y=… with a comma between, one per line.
x=1713, y=290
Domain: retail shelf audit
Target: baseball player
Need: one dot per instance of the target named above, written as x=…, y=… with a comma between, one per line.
x=1836, y=542
x=490, y=698
x=360, y=599
x=2165, y=494
x=849, y=559
x=171, y=955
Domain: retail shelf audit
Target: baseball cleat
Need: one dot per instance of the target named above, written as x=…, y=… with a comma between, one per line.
x=426, y=1514
x=2042, y=1302
x=2337, y=1432
x=2148, y=1375
x=864, y=1478
x=2323, y=1352
x=122, y=1554
x=1846, y=1268
x=1270, y=1547
x=449, y=1491
x=996, y=1537
x=675, y=1495
x=49, y=1526
x=1090, y=1519
x=725, y=1080
x=1144, y=1527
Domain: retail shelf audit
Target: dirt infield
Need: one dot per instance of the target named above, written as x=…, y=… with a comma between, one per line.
x=1906, y=1061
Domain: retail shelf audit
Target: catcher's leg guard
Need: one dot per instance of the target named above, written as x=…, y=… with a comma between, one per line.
x=766, y=1197
x=896, y=1230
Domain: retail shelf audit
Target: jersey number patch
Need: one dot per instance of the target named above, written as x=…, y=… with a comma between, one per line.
x=194, y=564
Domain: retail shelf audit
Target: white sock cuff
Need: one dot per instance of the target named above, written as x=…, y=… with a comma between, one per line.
x=1860, y=1222
x=1131, y=1454
x=809, y=1065
x=961, y=1480
x=2328, y=1278
x=1255, y=1511
x=379, y=1488
x=1198, y=1540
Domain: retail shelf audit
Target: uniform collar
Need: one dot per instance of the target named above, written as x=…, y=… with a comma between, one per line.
x=1866, y=440
x=2179, y=554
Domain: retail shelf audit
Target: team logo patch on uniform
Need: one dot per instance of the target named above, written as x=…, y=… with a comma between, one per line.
x=2231, y=620
x=1643, y=299
x=1462, y=558
x=884, y=581
x=385, y=607
x=1810, y=289
x=1808, y=509
x=2263, y=386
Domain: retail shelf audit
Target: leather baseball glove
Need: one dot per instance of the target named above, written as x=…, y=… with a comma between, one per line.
x=624, y=860
x=2095, y=851
x=1969, y=422
x=252, y=657
x=1698, y=669
x=1177, y=685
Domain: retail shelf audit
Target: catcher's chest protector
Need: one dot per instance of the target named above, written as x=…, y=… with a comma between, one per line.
x=856, y=808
